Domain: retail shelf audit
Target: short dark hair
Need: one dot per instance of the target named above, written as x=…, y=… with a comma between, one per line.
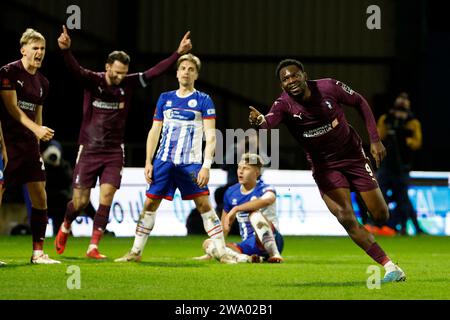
x=288, y=62
x=119, y=56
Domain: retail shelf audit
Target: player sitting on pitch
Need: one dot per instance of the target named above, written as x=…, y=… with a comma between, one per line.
x=252, y=202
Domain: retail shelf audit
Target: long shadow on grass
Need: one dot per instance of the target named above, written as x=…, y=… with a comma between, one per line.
x=171, y=264
x=325, y=284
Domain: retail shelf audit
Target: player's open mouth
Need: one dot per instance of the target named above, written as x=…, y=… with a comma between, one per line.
x=38, y=59
x=295, y=89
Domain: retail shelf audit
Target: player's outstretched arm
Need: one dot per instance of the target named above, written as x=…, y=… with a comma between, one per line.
x=164, y=65
x=10, y=100
x=152, y=142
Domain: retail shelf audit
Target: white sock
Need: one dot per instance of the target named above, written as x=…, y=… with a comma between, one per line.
x=64, y=229
x=143, y=229
x=213, y=228
x=240, y=257
x=264, y=233
x=37, y=253
x=390, y=266
x=92, y=247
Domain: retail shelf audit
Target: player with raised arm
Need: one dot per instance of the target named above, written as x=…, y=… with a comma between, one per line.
x=181, y=119
x=107, y=100
x=313, y=113
x=23, y=90
x=253, y=203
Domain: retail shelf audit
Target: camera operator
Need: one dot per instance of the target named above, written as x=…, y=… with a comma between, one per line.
x=59, y=182
x=401, y=134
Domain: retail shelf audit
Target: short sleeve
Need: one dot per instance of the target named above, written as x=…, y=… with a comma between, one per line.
x=268, y=188
x=208, y=109
x=6, y=79
x=159, y=114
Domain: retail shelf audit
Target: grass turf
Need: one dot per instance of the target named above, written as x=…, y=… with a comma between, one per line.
x=315, y=268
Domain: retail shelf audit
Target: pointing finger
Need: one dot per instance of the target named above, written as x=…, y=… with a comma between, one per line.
x=253, y=109
x=187, y=35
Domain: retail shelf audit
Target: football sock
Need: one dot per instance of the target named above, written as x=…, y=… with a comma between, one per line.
x=100, y=222
x=37, y=253
x=238, y=256
x=70, y=216
x=377, y=254
x=38, y=224
x=213, y=228
x=389, y=267
x=143, y=229
x=264, y=232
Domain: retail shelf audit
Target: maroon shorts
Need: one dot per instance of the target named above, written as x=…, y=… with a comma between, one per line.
x=25, y=165
x=356, y=175
x=93, y=164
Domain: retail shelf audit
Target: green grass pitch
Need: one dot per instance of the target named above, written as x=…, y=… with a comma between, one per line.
x=315, y=268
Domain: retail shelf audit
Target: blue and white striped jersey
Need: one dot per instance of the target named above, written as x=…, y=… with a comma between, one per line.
x=182, y=132
x=234, y=197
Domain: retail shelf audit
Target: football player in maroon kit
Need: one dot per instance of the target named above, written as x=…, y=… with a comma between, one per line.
x=312, y=110
x=23, y=90
x=107, y=101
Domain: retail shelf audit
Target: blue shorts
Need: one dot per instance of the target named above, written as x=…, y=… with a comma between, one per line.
x=252, y=246
x=167, y=177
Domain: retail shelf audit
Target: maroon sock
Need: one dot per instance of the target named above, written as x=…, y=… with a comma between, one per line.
x=100, y=222
x=71, y=215
x=38, y=224
x=377, y=254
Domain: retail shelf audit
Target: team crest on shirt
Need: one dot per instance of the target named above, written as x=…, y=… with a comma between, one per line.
x=122, y=92
x=192, y=103
x=234, y=202
x=169, y=103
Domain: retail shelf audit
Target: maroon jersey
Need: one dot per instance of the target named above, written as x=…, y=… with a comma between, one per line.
x=320, y=126
x=31, y=92
x=105, y=107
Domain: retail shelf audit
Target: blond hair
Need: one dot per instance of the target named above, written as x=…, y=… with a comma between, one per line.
x=30, y=35
x=252, y=159
x=190, y=57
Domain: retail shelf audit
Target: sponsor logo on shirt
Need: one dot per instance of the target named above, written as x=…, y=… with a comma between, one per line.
x=192, y=103
x=26, y=105
x=180, y=114
x=345, y=87
x=108, y=105
x=320, y=131
x=6, y=83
